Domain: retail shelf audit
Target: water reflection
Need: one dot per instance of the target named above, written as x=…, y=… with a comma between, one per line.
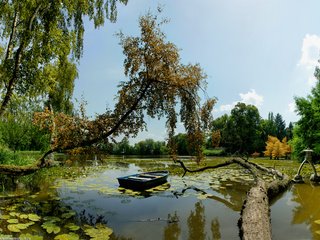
x=307, y=211
x=173, y=230
x=196, y=223
x=172, y=213
x=215, y=229
x=293, y=216
x=192, y=208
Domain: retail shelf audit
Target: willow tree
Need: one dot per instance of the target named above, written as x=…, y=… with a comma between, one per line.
x=35, y=33
x=157, y=85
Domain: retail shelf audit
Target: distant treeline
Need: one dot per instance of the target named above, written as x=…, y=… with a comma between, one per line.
x=243, y=131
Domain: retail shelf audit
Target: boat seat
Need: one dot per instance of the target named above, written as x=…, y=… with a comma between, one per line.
x=139, y=178
x=149, y=175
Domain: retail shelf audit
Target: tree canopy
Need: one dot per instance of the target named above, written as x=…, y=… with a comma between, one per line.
x=307, y=130
x=157, y=82
x=36, y=35
x=242, y=130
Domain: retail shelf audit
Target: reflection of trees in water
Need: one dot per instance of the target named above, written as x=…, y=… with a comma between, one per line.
x=196, y=223
x=172, y=230
x=215, y=229
x=308, y=209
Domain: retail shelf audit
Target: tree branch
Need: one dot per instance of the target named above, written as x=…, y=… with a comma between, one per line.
x=18, y=57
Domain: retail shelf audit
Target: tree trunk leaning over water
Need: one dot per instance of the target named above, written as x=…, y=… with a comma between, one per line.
x=254, y=222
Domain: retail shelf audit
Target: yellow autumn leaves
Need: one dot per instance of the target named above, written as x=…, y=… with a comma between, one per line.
x=276, y=149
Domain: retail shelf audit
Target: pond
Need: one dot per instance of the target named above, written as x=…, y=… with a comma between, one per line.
x=90, y=205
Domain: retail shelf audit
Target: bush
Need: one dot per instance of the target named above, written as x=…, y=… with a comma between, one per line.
x=214, y=152
x=7, y=156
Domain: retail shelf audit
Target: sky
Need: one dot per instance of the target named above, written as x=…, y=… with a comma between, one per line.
x=260, y=52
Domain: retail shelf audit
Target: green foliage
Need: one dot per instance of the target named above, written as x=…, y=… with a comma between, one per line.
x=150, y=147
x=242, y=131
x=99, y=232
x=245, y=127
x=280, y=126
x=36, y=37
x=182, y=144
x=307, y=129
x=144, y=147
x=60, y=86
x=214, y=152
x=17, y=129
x=7, y=156
x=51, y=227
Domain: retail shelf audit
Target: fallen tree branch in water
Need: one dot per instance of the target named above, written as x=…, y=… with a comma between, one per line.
x=254, y=222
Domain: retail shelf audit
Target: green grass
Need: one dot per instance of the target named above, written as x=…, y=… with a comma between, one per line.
x=18, y=158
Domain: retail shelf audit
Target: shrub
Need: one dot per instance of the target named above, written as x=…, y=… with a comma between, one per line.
x=214, y=152
x=6, y=155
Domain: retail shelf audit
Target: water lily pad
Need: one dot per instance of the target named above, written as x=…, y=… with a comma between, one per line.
x=14, y=214
x=28, y=236
x=318, y=232
x=3, y=236
x=14, y=220
x=317, y=221
x=23, y=216
x=17, y=227
x=5, y=217
x=69, y=236
x=72, y=227
x=68, y=214
x=50, y=227
x=13, y=228
x=100, y=232
x=51, y=219
x=34, y=217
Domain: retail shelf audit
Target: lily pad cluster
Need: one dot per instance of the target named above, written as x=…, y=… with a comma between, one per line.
x=56, y=222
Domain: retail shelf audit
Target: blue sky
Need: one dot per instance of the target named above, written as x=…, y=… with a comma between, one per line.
x=260, y=52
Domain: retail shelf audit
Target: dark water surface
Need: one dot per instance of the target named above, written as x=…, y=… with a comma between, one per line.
x=198, y=206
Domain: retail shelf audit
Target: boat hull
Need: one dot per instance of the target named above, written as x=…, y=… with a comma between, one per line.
x=143, y=180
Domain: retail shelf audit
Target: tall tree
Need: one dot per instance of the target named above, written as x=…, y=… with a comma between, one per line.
x=242, y=131
x=268, y=127
x=289, y=131
x=218, y=132
x=157, y=82
x=35, y=33
x=307, y=129
x=280, y=126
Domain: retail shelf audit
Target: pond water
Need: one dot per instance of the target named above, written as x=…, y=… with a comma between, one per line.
x=198, y=206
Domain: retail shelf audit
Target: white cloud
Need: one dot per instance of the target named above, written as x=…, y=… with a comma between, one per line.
x=310, y=54
x=292, y=107
x=310, y=51
x=250, y=97
x=312, y=80
x=227, y=107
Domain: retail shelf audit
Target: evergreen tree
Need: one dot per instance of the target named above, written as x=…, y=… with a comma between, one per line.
x=280, y=126
x=289, y=131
